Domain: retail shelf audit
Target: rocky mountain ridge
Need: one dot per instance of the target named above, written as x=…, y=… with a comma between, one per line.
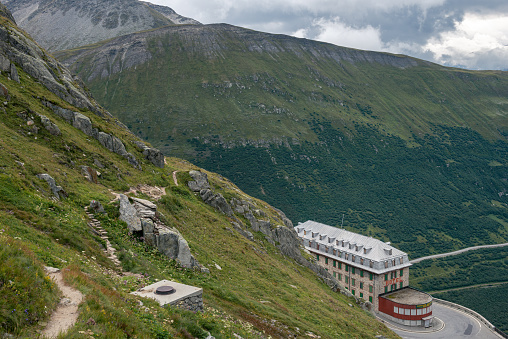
x=62, y=24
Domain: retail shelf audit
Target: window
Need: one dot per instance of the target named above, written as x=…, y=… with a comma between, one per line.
x=393, y=262
x=371, y=276
x=317, y=246
x=340, y=277
x=361, y=295
x=370, y=298
x=352, y=258
x=371, y=264
x=406, y=311
x=334, y=263
x=395, y=309
x=317, y=257
x=386, y=264
x=347, y=268
x=353, y=282
x=361, y=273
x=361, y=285
x=361, y=261
x=370, y=288
x=352, y=270
x=413, y=311
x=335, y=274
x=353, y=292
x=326, y=261
x=401, y=284
x=391, y=275
x=391, y=287
x=346, y=279
x=386, y=289
x=346, y=255
x=401, y=261
x=401, y=272
x=419, y=311
x=340, y=265
x=386, y=276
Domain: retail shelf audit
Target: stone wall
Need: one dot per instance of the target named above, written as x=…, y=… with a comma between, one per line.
x=193, y=303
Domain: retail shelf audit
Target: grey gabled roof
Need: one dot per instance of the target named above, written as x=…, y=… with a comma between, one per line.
x=369, y=253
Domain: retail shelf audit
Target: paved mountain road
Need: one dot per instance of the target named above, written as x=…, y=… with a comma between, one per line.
x=443, y=255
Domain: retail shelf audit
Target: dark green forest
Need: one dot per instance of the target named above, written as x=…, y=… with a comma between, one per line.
x=448, y=188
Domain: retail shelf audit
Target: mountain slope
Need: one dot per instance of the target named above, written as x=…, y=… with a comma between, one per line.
x=251, y=290
x=63, y=24
x=404, y=149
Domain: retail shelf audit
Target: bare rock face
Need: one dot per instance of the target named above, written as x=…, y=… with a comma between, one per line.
x=129, y=214
x=153, y=155
x=200, y=181
x=50, y=127
x=64, y=24
x=142, y=216
x=17, y=51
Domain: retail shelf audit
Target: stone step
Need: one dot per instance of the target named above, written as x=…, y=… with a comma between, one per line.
x=104, y=237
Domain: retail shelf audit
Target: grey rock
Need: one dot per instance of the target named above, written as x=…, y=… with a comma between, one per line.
x=167, y=243
x=129, y=214
x=153, y=155
x=84, y=124
x=14, y=73
x=50, y=270
x=219, y=202
x=50, y=127
x=148, y=231
x=253, y=221
x=145, y=208
x=58, y=191
x=265, y=227
x=96, y=207
x=200, y=181
x=184, y=254
x=237, y=226
x=5, y=63
x=206, y=194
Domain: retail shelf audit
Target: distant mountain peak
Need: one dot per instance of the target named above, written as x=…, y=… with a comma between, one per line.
x=66, y=24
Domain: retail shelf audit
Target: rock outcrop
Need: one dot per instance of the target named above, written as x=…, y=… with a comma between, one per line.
x=141, y=216
x=17, y=51
x=84, y=124
x=282, y=236
x=57, y=191
x=151, y=154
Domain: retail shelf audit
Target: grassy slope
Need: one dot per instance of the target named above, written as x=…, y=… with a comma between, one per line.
x=36, y=230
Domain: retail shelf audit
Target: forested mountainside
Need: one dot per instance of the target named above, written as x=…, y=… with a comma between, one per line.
x=63, y=24
x=60, y=152
x=405, y=150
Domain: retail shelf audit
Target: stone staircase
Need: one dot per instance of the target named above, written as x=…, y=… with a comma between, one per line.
x=96, y=228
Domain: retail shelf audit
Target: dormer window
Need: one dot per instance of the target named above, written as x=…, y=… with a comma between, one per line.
x=401, y=260
x=393, y=262
x=352, y=258
x=361, y=261
x=386, y=264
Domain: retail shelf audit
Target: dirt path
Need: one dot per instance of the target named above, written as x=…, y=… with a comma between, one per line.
x=174, y=178
x=66, y=313
x=443, y=255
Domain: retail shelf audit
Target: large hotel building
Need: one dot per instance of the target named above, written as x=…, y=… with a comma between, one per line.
x=369, y=269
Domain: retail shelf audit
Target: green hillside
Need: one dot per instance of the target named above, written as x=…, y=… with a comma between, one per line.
x=406, y=150
x=252, y=290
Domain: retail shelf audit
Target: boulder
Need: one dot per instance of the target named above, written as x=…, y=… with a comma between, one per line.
x=265, y=227
x=219, y=202
x=167, y=242
x=14, y=73
x=253, y=221
x=5, y=63
x=129, y=214
x=145, y=208
x=200, y=181
x=58, y=191
x=148, y=231
x=96, y=207
x=155, y=156
x=50, y=127
x=83, y=123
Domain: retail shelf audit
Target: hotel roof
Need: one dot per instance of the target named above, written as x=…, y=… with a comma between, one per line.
x=353, y=248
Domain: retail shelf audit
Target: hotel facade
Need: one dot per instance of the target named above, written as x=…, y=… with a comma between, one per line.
x=367, y=267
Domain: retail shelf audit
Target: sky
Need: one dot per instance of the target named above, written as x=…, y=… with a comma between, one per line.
x=469, y=34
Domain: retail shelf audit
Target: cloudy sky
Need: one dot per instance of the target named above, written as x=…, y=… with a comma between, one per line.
x=465, y=33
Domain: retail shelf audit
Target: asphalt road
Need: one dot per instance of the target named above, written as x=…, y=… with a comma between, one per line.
x=442, y=255
x=457, y=325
